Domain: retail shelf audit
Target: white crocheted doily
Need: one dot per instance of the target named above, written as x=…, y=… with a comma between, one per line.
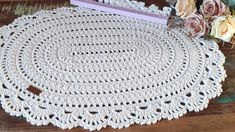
x=95, y=69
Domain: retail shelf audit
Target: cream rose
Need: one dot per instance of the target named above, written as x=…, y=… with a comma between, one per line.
x=196, y=25
x=213, y=8
x=184, y=8
x=223, y=28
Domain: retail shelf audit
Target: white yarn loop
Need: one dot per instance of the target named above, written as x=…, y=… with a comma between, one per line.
x=97, y=69
x=140, y=6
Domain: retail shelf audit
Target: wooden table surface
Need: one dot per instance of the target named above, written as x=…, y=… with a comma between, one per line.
x=218, y=117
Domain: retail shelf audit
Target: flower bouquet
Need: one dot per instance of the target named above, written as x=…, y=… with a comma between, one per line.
x=213, y=19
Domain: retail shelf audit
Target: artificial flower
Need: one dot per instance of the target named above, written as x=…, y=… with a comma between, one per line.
x=211, y=8
x=223, y=28
x=184, y=8
x=196, y=25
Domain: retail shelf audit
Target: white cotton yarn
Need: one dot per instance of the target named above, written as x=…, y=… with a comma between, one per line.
x=140, y=6
x=97, y=69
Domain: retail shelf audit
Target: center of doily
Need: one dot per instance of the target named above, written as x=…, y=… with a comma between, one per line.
x=91, y=52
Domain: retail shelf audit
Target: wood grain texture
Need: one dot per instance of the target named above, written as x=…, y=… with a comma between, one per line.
x=206, y=123
x=218, y=117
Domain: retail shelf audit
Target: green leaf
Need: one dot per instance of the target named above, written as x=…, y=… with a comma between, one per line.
x=231, y=2
x=225, y=1
x=232, y=7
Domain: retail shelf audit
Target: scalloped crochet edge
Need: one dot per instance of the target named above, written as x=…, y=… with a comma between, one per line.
x=7, y=96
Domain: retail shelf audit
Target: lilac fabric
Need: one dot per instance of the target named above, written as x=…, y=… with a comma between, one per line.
x=119, y=10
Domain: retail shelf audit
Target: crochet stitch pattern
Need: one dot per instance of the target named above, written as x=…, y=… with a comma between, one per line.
x=95, y=69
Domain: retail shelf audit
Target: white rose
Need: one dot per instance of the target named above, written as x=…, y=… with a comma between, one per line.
x=184, y=8
x=223, y=28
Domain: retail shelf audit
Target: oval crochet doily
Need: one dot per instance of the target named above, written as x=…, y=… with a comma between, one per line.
x=94, y=69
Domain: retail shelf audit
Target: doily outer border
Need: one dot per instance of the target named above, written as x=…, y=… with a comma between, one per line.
x=7, y=96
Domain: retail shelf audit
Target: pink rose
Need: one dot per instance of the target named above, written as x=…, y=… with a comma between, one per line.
x=196, y=25
x=213, y=8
